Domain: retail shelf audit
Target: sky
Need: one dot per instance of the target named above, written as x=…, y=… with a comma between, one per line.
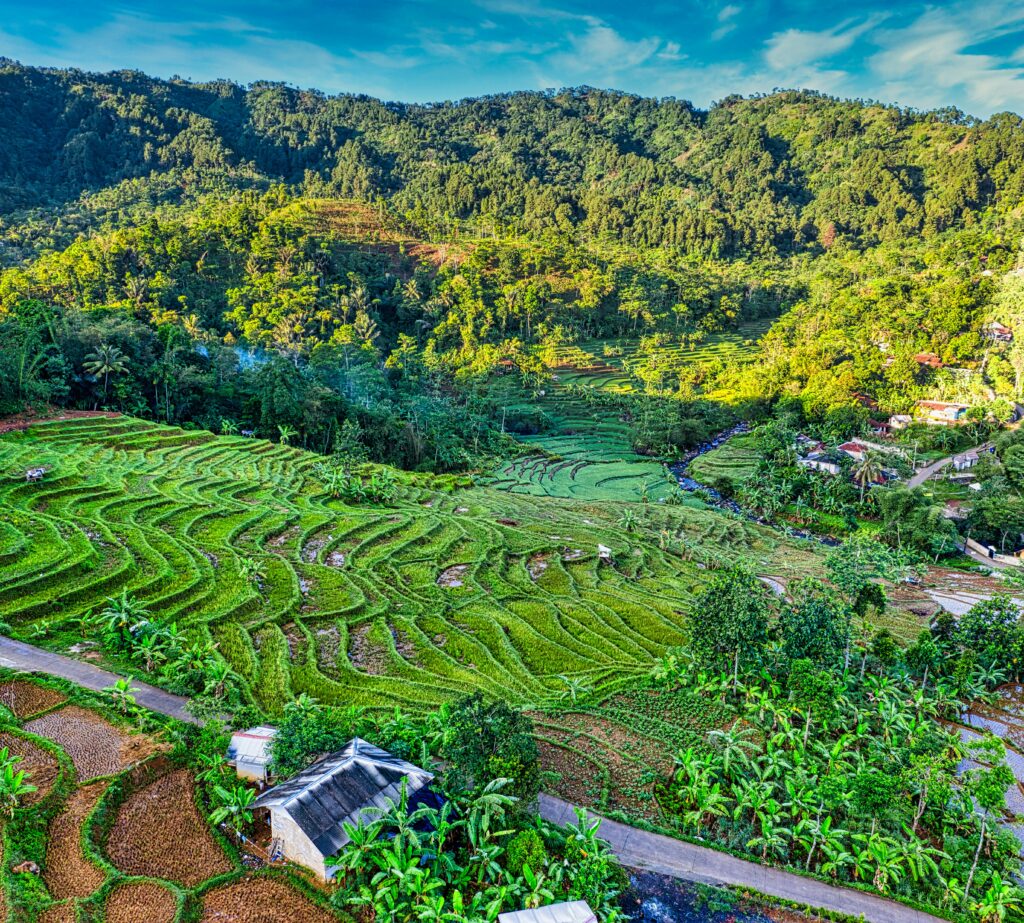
x=919, y=54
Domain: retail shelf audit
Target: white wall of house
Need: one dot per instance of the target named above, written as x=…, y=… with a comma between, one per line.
x=296, y=846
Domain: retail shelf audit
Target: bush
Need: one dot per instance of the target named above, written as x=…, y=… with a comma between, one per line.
x=525, y=848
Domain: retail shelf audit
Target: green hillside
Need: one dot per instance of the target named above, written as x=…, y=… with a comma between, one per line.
x=445, y=591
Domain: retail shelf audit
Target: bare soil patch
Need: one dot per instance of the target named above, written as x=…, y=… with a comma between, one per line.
x=68, y=873
x=138, y=901
x=452, y=577
x=62, y=913
x=95, y=746
x=366, y=654
x=261, y=900
x=26, y=699
x=537, y=564
x=42, y=767
x=48, y=415
x=159, y=833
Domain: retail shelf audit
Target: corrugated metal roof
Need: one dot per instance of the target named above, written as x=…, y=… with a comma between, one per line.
x=571, y=912
x=344, y=787
x=252, y=746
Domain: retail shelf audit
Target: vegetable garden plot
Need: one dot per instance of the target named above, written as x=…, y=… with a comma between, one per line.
x=68, y=872
x=261, y=900
x=26, y=699
x=140, y=901
x=95, y=746
x=41, y=766
x=160, y=833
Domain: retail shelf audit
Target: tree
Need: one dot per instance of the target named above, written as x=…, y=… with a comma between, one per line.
x=121, y=695
x=487, y=741
x=990, y=628
x=729, y=619
x=234, y=804
x=867, y=470
x=816, y=626
x=107, y=360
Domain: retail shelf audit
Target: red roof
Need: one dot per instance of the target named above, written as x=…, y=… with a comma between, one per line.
x=852, y=447
x=929, y=359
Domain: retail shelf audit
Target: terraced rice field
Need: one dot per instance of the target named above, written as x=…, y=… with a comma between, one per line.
x=733, y=461
x=356, y=606
x=607, y=364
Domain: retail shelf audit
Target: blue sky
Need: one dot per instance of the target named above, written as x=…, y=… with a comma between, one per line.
x=968, y=54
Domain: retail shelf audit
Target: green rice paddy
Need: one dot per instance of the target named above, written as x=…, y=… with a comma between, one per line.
x=448, y=590
x=734, y=461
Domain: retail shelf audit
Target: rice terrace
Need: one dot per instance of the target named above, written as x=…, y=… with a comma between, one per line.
x=354, y=605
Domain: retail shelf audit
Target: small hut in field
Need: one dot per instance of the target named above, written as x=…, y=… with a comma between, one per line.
x=355, y=785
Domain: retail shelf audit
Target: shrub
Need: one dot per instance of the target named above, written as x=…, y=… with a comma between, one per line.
x=525, y=848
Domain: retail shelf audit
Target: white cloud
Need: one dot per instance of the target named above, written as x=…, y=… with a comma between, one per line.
x=930, y=62
x=795, y=48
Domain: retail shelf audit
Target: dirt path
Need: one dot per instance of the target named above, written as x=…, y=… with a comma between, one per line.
x=689, y=862
x=17, y=655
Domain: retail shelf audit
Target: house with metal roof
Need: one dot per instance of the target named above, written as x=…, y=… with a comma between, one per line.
x=355, y=785
x=568, y=912
x=249, y=752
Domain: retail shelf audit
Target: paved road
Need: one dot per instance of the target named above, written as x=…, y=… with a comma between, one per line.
x=662, y=854
x=635, y=848
x=17, y=655
x=925, y=473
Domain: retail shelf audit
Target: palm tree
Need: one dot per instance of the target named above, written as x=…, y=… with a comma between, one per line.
x=867, y=470
x=228, y=427
x=107, y=360
x=286, y=433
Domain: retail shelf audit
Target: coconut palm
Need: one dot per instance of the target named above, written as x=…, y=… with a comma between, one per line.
x=107, y=360
x=866, y=470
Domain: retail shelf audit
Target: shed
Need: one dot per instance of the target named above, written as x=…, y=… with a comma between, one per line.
x=568, y=912
x=249, y=752
x=355, y=785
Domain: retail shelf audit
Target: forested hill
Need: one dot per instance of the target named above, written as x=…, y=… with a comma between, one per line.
x=782, y=173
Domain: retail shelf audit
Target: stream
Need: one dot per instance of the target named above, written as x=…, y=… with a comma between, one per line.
x=714, y=497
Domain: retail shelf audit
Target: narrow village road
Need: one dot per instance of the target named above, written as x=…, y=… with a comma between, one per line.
x=635, y=848
x=17, y=655
x=935, y=467
x=689, y=862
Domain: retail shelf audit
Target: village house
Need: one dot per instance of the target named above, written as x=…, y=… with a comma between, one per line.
x=929, y=359
x=818, y=461
x=568, y=912
x=940, y=413
x=998, y=332
x=855, y=450
x=308, y=813
x=965, y=462
x=249, y=752
x=900, y=420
